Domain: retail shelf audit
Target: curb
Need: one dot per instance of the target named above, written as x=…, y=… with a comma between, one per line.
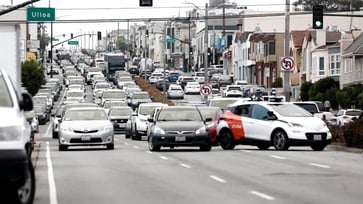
x=345, y=149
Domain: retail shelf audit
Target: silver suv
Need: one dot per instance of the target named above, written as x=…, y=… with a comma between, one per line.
x=17, y=180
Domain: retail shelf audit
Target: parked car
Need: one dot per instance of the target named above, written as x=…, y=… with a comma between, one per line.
x=119, y=115
x=265, y=124
x=175, y=91
x=17, y=179
x=85, y=126
x=345, y=116
x=179, y=126
x=42, y=114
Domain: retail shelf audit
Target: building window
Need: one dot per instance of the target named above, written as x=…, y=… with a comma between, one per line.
x=271, y=47
x=334, y=64
x=321, y=66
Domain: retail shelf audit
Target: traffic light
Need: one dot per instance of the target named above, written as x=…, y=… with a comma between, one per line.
x=190, y=51
x=147, y=33
x=99, y=35
x=318, y=14
x=71, y=35
x=143, y=3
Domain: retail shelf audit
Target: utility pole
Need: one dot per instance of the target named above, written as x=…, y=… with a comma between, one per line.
x=206, y=49
x=287, y=51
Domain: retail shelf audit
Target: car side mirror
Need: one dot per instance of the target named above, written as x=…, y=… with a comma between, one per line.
x=26, y=102
x=208, y=119
x=150, y=120
x=134, y=114
x=271, y=115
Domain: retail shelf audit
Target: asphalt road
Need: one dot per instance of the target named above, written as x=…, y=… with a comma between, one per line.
x=132, y=174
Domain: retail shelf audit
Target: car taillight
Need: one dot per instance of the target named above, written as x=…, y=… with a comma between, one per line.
x=346, y=117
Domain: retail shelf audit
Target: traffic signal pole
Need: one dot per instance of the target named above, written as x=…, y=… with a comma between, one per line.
x=287, y=51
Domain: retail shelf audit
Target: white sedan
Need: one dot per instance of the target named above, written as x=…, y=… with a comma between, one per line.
x=192, y=88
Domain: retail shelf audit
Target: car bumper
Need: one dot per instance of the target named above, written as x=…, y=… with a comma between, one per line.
x=178, y=140
x=171, y=95
x=85, y=139
x=119, y=127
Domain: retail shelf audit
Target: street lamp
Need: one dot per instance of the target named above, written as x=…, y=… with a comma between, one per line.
x=51, y=45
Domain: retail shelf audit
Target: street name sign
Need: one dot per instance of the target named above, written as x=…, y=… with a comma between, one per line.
x=40, y=14
x=73, y=42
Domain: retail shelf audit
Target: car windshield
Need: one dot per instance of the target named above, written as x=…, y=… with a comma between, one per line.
x=222, y=104
x=353, y=112
x=75, y=94
x=102, y=86
x=39, y=100
x=290, y=110
x=74, y=115
x=38, y=109
x=209, y=113
x=120, y=111
x=232, y=88
x=179, y=114
x=140, y=96
x=29, y=114
x=175, y=88
x=75, y=86
x=114, y=94
x=146, y=110
x=114, y=103
x=5, y=99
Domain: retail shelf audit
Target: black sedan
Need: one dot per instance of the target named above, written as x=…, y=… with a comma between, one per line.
x=179, y=126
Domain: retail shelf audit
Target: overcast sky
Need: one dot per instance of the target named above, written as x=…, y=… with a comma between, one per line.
x=128, y=9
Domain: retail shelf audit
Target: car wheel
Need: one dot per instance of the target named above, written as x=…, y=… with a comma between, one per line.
x=318, y=147
x=263, y=146
x=25, y=193
x=280, y=140
x=63, y=147
x=111, y=146
x=205, y=148
x=127, y=135
x=226, y=140
x=152, y=147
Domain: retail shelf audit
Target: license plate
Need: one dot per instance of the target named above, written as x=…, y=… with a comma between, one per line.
x=317, y=137
x=86, y=137
x=180, y=139
x=122, y=125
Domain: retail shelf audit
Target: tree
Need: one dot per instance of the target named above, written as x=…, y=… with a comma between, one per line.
x=304, y=91
x=32, y=76
x=329, y=5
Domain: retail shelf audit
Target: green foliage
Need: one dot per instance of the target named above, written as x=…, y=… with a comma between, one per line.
x=350, y=96
x=353, y=134
x=32, y=76
x=329, y=5
x=331, y=96
x=277, y=83
x=304, y=91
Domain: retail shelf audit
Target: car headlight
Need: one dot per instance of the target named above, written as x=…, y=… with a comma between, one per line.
x=158, y=130
x=294, y=125
x=66, y=129
x=11, y=133
x=107, y=129
x=201, y=130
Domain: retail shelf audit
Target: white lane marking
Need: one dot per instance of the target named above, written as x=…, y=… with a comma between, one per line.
x=247, y=151
x=126, y=143
x=136, y=147
x=164, y=158
x=277, y=157
x=267, y=197
x=51, y=181
x=218, y=179
x=185, y=166
x=48, y=129
x=149, y=152
x=320, y=165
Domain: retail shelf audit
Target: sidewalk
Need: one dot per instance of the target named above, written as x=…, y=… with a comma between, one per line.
x=336, y=147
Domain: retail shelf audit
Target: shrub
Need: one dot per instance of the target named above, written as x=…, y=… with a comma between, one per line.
x=353, y=134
